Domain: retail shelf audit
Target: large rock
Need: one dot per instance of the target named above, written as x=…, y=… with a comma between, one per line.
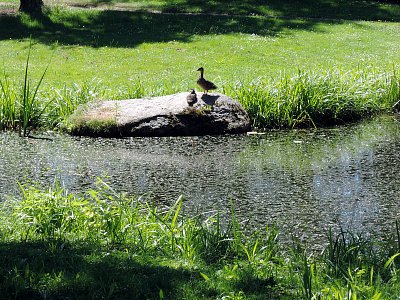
x=161, y=116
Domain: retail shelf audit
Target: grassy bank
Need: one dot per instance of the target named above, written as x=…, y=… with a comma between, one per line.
x=347, y=56
x=58, y=245
x=306, y=99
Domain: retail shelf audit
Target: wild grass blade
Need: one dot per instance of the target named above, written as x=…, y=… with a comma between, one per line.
x=177, y=207
x=391, y=260
x=8, y=109
x=28, y=106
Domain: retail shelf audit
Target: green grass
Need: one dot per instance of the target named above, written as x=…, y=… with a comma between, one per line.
x=312, y=100
x=126, y=54
x=55, y=244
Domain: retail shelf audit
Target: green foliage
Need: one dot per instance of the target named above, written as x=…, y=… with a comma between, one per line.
x=109, y=245
x=305, y=100
x=105, y=54
x=8, y=107
x=67, y=99
x=20, y=108
x=60, y=222
x=29, y=112
x=310, y=99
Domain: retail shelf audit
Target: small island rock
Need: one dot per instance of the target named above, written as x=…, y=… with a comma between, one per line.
x=161, y=116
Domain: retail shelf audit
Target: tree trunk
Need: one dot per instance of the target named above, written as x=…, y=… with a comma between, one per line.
x=31, y=6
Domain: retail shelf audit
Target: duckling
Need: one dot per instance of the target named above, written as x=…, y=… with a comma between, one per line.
x=191, y=98
x=203, y=83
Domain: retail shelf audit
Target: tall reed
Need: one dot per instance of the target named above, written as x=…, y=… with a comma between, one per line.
x=30, y=111
x=19, y=106
x=104, y=215
x=66, y=100
x=310, y=99
x=8, y=107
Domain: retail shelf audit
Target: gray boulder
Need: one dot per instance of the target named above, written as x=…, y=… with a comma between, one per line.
x=171, y=115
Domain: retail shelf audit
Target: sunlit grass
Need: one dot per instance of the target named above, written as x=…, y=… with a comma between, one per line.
x=167, y=49
x=348, y=69
x=312, y=100
x=306, y=99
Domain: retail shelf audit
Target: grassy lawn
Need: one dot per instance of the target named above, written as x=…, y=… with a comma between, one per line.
x=118, y=46
x=118, y=53
x=248, y=46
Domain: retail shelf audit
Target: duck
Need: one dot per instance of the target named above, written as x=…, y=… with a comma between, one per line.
x=203, y=83
x=191, y=98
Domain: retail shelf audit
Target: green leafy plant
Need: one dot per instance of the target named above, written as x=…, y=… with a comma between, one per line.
x=20, y=108
x=30, y=112
x=107, y=244
x=8, y=107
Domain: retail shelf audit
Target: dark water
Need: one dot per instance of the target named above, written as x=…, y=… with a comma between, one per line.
x=303, y=181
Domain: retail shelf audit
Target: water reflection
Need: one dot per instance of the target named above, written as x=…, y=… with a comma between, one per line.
x=304, y=181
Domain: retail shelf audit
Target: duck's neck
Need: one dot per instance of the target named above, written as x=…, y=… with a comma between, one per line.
x=201, y=73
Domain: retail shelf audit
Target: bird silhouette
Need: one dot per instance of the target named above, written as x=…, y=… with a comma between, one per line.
x=191, y=98
x=203, y=83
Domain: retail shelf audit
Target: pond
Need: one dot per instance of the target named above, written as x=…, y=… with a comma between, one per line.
x=304, y=181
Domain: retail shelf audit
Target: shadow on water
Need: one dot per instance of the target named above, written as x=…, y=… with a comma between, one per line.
x=128, y=29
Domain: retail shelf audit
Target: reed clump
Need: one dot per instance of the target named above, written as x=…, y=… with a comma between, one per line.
x=309, y=99
x=19, y=107
x=105, y=244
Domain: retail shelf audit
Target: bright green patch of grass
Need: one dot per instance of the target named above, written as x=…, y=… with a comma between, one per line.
x=118, y=47
x=104, y=244
x=348, y=68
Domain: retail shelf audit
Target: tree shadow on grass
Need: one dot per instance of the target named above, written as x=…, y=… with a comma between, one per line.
x=333, y=9
x=325, y=9
x=35, y=270
x=54, y=270
x=127, y=29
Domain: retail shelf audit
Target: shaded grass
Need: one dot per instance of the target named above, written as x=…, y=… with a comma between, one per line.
x=55, y=244
x=82, y=272
x=334, y=9
x=169, y=48
x=367, y=10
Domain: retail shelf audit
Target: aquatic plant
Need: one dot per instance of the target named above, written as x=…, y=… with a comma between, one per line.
x=309, y=99
x=30, y=111
x=67, y=99
x=20, y=107
x=8, y=107
x=102, y=243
